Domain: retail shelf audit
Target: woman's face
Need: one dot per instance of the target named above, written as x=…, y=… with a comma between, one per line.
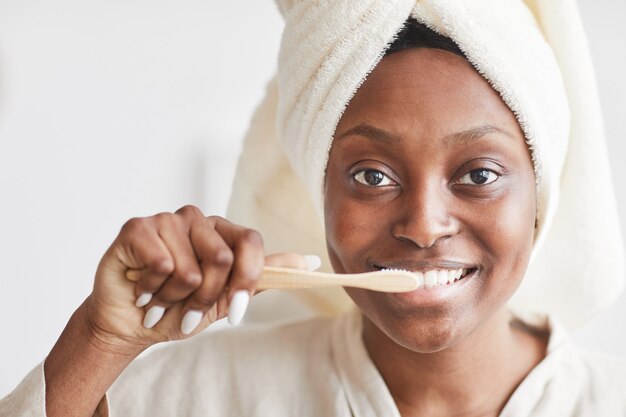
x=429, y=171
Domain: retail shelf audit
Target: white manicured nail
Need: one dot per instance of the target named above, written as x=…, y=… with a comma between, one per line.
x=153, y=316
x=312, y=262
x=143, y=299
x=238, y=306
x=190, y=321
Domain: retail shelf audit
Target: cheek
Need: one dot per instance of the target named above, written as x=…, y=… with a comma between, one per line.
x=346, y=234
x=351, y=229
x=508, y=236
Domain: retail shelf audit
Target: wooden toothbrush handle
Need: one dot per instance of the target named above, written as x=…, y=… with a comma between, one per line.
x=272, y=278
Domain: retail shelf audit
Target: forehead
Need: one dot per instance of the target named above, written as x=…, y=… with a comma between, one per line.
x=427, y=90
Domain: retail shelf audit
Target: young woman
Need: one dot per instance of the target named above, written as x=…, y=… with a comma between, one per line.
x=434, y=166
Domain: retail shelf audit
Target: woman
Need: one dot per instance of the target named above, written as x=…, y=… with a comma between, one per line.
x=421, y=164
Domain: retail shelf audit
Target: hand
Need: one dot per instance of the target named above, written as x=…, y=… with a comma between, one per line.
x=192, y=267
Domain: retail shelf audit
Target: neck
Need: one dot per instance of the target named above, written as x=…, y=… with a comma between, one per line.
x=474, y=377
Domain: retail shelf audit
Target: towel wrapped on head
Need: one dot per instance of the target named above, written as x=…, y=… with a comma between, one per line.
x=532, y=52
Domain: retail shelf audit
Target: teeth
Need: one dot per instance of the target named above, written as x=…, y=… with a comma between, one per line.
x=442, y=277
x=432, y=278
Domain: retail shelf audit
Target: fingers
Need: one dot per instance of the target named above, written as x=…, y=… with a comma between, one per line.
x=216, y=259
x=247, y=245
x=186, y=276
x=179, y=275
x=199, y=264
x=245, y=263
x=183, y=280
x=213, y=260
x=145, y=251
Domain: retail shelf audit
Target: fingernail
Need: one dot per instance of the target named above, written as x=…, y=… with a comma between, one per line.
x=153, y=316
x=143, y=299
x=313, y=262
x=238, y=306
x=190, y=321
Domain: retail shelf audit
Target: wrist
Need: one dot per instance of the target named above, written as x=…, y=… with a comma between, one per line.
x=102, y=340
x=82, y=365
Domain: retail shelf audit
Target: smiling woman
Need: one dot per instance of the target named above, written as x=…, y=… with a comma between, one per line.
x=429, y=144
x=425, y=211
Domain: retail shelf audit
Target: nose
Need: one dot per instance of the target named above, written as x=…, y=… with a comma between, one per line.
x=425, y=216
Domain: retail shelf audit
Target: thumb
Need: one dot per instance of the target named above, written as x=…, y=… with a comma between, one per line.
x=294, y=260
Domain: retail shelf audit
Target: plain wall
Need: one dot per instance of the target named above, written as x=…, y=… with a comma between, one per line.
x=110, y=110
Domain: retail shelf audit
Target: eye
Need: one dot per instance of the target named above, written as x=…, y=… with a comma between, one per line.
x=373, y=178
x=479, y=177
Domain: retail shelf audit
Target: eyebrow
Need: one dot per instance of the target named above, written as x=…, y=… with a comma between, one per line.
x=371, y=132
x=475, y=133
x=464, y=136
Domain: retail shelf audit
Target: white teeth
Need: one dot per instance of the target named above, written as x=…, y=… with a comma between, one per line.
x=430, y=279
x=442, y=277
x=457, y=273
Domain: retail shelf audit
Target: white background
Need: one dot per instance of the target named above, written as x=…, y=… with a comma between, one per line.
x=110, y=110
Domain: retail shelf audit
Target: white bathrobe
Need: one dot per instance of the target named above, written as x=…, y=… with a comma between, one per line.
x=319, y=367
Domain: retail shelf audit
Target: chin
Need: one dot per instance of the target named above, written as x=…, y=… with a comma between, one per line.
x=423, y=338
x=421, y=331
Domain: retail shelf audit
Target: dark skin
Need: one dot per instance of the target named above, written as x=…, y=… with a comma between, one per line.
x=429, y=170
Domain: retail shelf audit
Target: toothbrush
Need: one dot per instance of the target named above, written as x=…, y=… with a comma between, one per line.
x=274, y=277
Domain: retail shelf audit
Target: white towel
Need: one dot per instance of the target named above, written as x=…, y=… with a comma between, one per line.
x=534, y=53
